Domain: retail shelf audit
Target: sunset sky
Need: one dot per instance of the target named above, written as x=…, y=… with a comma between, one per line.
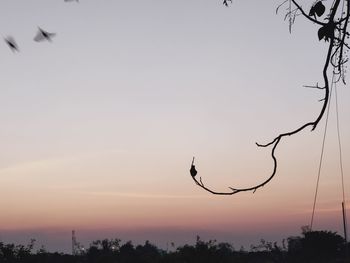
x=99, y=127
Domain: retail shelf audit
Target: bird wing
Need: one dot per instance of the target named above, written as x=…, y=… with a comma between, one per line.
x=50, y=35
x=39, y=37
x=10, y=40
x=43, y=35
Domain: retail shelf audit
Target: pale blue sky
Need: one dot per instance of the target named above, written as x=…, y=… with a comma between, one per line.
x=129, y=91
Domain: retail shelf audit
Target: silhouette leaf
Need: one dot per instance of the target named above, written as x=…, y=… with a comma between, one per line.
x=317, y=9
x=326, y=32
x=312, y=11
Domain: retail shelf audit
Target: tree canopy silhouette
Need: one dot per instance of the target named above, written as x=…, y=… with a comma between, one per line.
x=333, y=29
x=311, y=246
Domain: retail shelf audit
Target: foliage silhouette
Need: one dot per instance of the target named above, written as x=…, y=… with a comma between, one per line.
x=311, y=246
x=316, y=246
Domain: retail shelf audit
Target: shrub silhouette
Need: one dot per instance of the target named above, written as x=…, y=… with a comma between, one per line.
x=316, y=246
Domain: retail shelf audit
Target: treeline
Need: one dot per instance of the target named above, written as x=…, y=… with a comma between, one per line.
x=311, y=246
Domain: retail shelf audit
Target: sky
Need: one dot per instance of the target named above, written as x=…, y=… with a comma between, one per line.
x=99, y=127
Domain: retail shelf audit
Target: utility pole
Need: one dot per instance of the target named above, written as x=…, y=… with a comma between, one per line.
x=345, y=230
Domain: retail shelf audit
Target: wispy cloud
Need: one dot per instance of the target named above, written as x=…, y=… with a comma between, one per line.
x=49, y=163
x=145, y=195
x=329, y=207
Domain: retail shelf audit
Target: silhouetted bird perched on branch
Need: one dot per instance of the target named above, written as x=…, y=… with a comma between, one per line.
x=10, y=41
x=43, y=35
x=193, y=170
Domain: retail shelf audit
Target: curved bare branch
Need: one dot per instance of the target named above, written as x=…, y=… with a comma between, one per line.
x=333, y=50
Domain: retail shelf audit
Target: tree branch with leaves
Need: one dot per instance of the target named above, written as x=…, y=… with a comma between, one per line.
x=333, y=29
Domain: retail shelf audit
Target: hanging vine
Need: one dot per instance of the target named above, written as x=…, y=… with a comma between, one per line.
x=332, y=28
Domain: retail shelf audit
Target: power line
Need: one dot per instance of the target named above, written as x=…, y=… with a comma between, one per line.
x=341, y=164
x=322, y=152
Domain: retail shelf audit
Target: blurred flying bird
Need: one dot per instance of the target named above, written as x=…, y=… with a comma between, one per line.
x=10, y=41
x=71, y=0
x=43, y=35
x=226, y=2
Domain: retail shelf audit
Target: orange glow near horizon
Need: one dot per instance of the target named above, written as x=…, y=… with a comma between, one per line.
x=99, y=127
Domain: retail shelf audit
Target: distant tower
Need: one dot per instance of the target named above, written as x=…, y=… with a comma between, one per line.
x=74, y=243
x=77, y=248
